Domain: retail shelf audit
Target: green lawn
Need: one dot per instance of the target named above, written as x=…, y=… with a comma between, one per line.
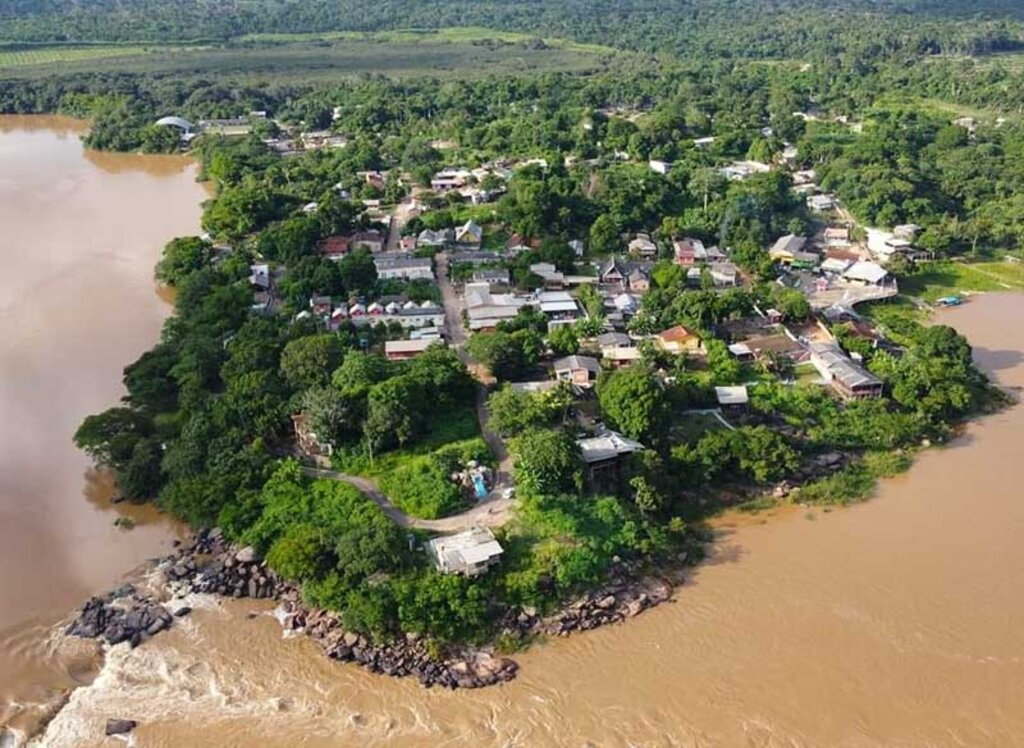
x=939, y=279
x=689, y=427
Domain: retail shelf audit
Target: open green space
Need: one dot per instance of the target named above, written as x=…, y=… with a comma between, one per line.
x=309, y=59
x=940, y=279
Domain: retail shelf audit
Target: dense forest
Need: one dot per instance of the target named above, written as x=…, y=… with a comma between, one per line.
x=696, y=28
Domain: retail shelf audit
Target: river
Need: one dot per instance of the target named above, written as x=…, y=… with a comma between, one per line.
x=79, y=235
x=897, y=622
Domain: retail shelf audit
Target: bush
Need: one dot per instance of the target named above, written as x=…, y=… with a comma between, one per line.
x=422, y=487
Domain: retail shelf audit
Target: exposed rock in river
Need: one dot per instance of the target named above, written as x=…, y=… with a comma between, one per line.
x=208, y=564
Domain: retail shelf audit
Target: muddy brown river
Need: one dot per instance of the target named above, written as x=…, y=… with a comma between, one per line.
x=898, y=622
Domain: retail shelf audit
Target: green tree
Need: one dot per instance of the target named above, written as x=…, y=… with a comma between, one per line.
x=182, y=257
x=604, y=236
x=563, y=341
x=310, y=360
x=546, y=462
x=633, y=402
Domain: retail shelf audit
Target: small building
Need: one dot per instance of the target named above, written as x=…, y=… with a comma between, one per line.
x=741, y=352
x=469, y=235
x=614, y=339
x=321, y=306
x=259, y=276
x=371, y=241
x=732, y=397
x=638, y=280
x=400, y=266
x=549, y=274
x=470, y=553
x=334, y=247
x=403, y=350
x=678, y=340
x=559, y=307
x=492, y=277
x=835, y=265
x=849, y=379
x=723, y=273
x=784, y=248
x=688, y=251
x=579, y=370
x=439, y=239
x=533, y=388
x=866, y=274
x=613, y=273
x=602, y=453
x=821, y=203
x=643, y=247
x=621, y=355
x=837, y=236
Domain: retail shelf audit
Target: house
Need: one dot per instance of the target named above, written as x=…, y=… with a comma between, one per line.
x=440, y=238
x=643, y=247
x=694, y=276
x=737, y=171
x=516, y=244
x=621, y=355
x=742, y=353
x=613, y=273
x=732, y=397
x=492, y=276
x=407, y=244
x=371, y=241
x=578, y=370
x=470, y=552
x=847, y=377
x=688, y=251
x=805, y=260
x=835, y=266
x=475, y=258
x=723, y=273
x=614, y=339
x=678, y=340
x=776, y=345
x=546, y=271
x=321, y=305
x=784, y=248
x=906, y=231
x=659, y=167
x=602, y=453
x=837, y=236
x=638, y=280
x=259, y=277
x=333, y=247
x=559, y=307
x=469, y=235
x=400, y=266
x=450, y=179
x=821, y=203
x=485, y=310
x=403, y=350
x=625, y=305
x=704, y=142
x=866, y=274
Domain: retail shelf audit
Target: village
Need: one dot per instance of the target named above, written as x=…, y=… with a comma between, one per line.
x=487, y=278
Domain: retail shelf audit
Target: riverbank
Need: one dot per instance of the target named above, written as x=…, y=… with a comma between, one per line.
x=208, y=564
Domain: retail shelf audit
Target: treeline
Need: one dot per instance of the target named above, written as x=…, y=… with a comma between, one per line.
x=696, y=29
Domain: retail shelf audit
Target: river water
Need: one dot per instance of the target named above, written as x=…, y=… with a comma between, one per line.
x=79, y=235
x=898, y=622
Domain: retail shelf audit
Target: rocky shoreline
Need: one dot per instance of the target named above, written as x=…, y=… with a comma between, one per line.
x=208, y=564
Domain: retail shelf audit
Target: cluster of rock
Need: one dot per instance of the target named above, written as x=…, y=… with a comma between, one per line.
x=122, y=615
x=406, y=657
x=209, y=564
x=626, y=595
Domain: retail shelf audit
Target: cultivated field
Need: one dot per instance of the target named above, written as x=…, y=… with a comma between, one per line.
x=43, y=55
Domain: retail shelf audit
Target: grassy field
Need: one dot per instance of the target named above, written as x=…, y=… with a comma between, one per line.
x=31, y=56
x=457, y=34
x=939, y=279
x=461, y=53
